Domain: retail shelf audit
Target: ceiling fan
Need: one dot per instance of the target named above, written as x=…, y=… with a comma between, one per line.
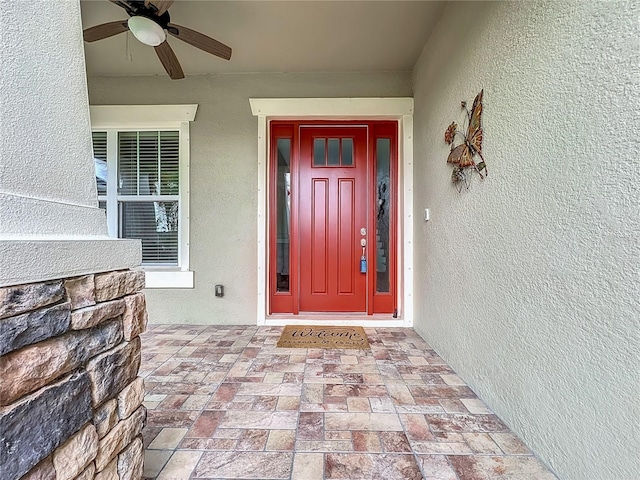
x=149, y=22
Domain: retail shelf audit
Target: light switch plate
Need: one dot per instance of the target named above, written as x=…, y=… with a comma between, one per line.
x=426, y=214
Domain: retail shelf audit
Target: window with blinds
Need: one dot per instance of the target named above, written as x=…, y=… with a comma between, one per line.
x=146, y=197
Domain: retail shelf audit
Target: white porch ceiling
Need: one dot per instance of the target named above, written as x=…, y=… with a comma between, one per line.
x=274, y=36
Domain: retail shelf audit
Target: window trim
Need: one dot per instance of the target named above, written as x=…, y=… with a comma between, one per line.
x=114, y=118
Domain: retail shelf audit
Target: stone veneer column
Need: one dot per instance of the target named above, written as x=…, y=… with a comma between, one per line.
x=70, y=398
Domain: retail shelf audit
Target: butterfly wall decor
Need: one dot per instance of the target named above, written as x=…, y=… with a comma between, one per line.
x=462, y=156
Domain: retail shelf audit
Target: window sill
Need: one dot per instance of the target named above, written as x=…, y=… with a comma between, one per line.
x=168, y=278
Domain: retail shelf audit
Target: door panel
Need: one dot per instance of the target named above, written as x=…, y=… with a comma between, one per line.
x=346, y=237
x=319, y=244
x=333, y=209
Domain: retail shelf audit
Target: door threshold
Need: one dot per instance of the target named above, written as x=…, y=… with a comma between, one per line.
x=335, y=319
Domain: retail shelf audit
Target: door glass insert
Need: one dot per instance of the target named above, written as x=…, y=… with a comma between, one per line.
x=319, y=155
x=383, y=157
x=283, y=214
x=333, y=152
x=347, y=152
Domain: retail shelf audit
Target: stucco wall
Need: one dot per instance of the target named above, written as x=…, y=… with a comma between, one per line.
x=224, y=176
x=50, y=223
x=527, y=283
x=42, y=125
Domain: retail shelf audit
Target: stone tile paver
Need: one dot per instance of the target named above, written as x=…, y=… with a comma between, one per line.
x=168, y=439
x=226, y=403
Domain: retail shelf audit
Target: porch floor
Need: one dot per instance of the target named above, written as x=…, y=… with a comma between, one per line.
x=225, y=403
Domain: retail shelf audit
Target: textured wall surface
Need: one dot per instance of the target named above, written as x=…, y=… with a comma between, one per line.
x=224, y=176
x=44, y=104
x=527, y=283
x=50, y=223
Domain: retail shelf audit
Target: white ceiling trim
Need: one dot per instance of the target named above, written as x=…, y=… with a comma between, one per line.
x=330, y=108
x=140, y=116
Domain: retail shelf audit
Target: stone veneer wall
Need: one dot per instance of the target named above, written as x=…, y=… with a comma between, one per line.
x=70, y=398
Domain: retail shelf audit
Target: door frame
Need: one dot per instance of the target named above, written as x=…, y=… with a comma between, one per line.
x=340, y=109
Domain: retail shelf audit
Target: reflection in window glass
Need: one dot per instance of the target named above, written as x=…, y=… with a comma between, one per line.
x=283, y=213
x=333, y=151
x=319, y=156
x=148, y=163
x=169, y=163
x=347, y=151
x=383, y=154
x=156, y=224
x=100, y=160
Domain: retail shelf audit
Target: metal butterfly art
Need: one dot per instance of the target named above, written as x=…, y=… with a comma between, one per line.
x=462, y=155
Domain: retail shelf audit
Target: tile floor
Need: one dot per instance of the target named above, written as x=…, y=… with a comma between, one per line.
x=225, y=403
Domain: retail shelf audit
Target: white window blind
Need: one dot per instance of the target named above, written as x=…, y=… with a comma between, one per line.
x=148, y=190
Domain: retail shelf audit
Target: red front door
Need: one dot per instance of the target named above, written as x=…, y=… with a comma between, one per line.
x=332, y=186
x=333, y=201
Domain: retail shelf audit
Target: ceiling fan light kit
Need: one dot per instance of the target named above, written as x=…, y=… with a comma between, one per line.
x=150, y=22
x=146, y=30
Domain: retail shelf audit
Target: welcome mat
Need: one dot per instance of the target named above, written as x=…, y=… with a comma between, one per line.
x=306, y=336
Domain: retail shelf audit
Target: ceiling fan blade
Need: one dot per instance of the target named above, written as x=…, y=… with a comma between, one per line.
x=169, y=61
x=104, y=30
x=200, y=41
x=161, y=5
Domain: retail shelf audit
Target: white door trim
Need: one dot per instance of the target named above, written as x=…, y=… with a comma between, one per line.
x=400, y=109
